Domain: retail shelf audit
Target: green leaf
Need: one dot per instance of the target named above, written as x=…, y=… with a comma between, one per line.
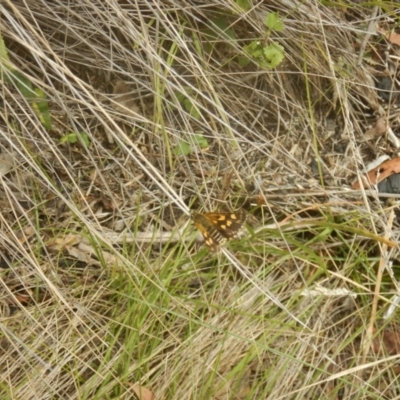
x=85, y=138
x=4, y=62
x=243, y=61
x=273, y=55
x=274, y=22
x=245, y=5
x=9, y=75
x=23, y=84
x=255, y=49
x=191, y=108
x=74, y=137
x=182, y=149
x=35, y=96
x=199, y=140
x=265, y=56
x=3, y=51
x=187, y=103
x=223, y=30
x=194, y=141
x=41, y=108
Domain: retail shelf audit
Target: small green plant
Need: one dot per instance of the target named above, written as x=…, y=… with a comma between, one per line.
x=186, y=100
x=265, y=55
x=34, y=95
x=218, y=31
x=73, y=137
x=244, y=5
x=195, y=141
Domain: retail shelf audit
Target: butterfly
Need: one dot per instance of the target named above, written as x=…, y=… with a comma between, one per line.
x=218, y=227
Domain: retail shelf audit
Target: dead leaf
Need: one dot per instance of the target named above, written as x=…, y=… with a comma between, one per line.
x=142, y=393
x=87, y=249
x=379, y=173
x=24, y=297
x=80, y=255
x=392, y=37
x=388, y=343
x=7, y=161
x=378, y=129
x=124, y=100
x=24, y=235
x=62, y=242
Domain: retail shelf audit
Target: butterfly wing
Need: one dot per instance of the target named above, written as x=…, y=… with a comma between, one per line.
x=217, y=228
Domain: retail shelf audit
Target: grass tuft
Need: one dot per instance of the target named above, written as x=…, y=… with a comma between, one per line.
x=117, y=119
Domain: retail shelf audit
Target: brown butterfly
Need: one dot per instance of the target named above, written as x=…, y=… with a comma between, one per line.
x=218, y=227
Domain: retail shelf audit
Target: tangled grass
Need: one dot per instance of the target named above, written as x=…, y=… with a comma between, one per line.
x=142, y=110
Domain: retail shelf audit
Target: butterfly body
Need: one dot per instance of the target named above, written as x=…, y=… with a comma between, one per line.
x=218, y=227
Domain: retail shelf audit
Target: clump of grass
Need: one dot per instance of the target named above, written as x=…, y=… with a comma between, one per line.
x=142, y=111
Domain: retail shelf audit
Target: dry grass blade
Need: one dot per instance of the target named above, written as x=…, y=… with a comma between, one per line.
x=116, y=119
